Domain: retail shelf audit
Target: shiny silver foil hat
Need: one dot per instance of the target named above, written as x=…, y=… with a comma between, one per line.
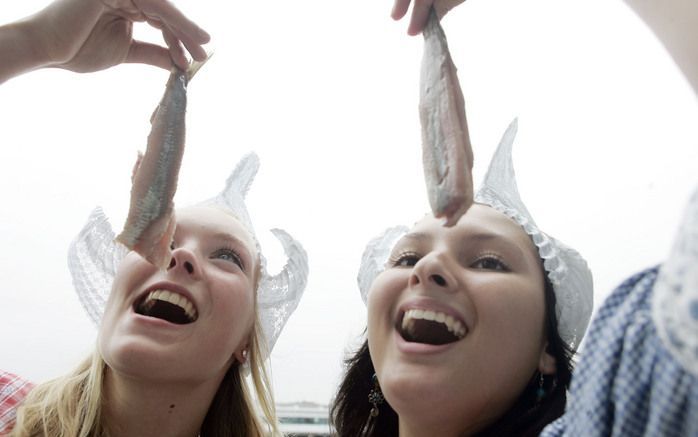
x=566, y=269
x=94, y=256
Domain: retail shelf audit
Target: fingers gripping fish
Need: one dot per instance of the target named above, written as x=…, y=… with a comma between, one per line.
x=447, y=156
x=150, y=223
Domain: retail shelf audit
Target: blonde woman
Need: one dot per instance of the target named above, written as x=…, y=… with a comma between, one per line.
x=174, y=346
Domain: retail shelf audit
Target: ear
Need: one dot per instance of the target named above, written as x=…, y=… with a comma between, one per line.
x=547, y=365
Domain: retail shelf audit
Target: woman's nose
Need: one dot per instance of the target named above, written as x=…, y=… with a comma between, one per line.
x=431, y=271
x=185, y=260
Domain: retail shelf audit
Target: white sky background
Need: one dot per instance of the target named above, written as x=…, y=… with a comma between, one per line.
x=326, y=92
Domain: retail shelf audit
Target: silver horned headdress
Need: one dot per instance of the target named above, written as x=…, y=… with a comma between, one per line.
x=566, y=269
x=94, y=257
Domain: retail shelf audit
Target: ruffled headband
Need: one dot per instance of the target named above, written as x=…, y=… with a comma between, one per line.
x=94, y=256
x=566, y=269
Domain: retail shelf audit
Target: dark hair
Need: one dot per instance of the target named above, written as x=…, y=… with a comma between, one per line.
x=350, y=412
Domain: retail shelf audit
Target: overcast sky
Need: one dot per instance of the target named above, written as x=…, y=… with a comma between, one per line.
x=326, y=92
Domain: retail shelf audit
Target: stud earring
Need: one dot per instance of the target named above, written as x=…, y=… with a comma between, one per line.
x=375, y=397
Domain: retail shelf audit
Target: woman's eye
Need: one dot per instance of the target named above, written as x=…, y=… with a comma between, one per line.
x=228, y=255
x=490, y=263
x=405, y=260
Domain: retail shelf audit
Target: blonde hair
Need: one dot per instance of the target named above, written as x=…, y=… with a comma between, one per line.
x=66, y=406
x=71, y=406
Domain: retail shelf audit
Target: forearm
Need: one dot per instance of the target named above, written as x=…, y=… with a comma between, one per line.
x=18, y=51
x=47, y=38
x=675, y=23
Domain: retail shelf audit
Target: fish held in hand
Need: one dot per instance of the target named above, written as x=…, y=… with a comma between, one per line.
x=447, y=155
x=150, y=223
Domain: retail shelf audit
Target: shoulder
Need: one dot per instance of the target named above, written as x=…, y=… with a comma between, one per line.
x=13, y=390
x=627, y=382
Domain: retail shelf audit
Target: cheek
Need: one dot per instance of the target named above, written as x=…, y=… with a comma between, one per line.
x=132, y=273
x=382, y=297
x=127, y=277
x=235, y=305
x=514, y=317
x=382, y=301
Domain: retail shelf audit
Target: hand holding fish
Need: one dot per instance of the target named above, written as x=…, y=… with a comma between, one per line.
x=420, y=12
x=92, y=35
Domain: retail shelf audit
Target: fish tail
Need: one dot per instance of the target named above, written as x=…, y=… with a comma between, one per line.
x=195, y=66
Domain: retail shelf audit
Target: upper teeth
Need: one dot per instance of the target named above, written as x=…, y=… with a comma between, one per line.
x=174, y=299
x=453, y=325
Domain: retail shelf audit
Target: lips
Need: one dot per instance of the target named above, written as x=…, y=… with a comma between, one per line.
x=430, y=326
x=167, y=305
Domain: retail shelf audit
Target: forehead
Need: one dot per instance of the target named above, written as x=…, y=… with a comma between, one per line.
x=483, y=222
x=213, y=221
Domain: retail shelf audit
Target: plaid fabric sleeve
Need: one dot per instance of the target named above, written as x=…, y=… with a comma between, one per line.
x=627, y=383
x=13, y=390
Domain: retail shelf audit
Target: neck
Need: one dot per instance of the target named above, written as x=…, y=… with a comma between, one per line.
x=446, y=425
x=675, y=23
x=427, y=429
x=136, y=408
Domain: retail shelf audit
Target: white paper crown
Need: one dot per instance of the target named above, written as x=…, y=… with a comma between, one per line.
x=94, y=257
x=566, y=269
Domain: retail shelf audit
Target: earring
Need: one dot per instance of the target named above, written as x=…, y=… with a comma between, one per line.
x=540, y=393
x=375, y=397
x=244, y=357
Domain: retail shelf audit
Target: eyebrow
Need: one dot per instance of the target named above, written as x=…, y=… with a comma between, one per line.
x=478, y=235
x=417, y=236
x=487, y=236
x=475, y=236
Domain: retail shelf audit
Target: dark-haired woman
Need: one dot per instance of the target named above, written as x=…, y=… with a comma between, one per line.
x=471, y=328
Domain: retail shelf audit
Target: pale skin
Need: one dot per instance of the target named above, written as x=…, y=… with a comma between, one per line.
x=484, y=272
x=156, y=381
x=161, y=377
x=674, y=22
x=92, y=35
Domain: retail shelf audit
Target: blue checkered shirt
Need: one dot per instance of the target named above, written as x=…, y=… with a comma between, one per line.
x=626, y=383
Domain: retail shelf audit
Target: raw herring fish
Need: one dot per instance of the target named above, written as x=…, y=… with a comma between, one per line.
x=150, y=223
x=447, y=156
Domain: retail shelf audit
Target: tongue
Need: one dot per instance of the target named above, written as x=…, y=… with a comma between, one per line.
x=164, y=310
x=427, y=331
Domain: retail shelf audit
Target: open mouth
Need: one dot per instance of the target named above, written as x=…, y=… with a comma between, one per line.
x=166, y=305
x=430, y=327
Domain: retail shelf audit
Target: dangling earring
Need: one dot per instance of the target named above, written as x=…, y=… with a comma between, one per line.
x=540, y=393
x=375, y=397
